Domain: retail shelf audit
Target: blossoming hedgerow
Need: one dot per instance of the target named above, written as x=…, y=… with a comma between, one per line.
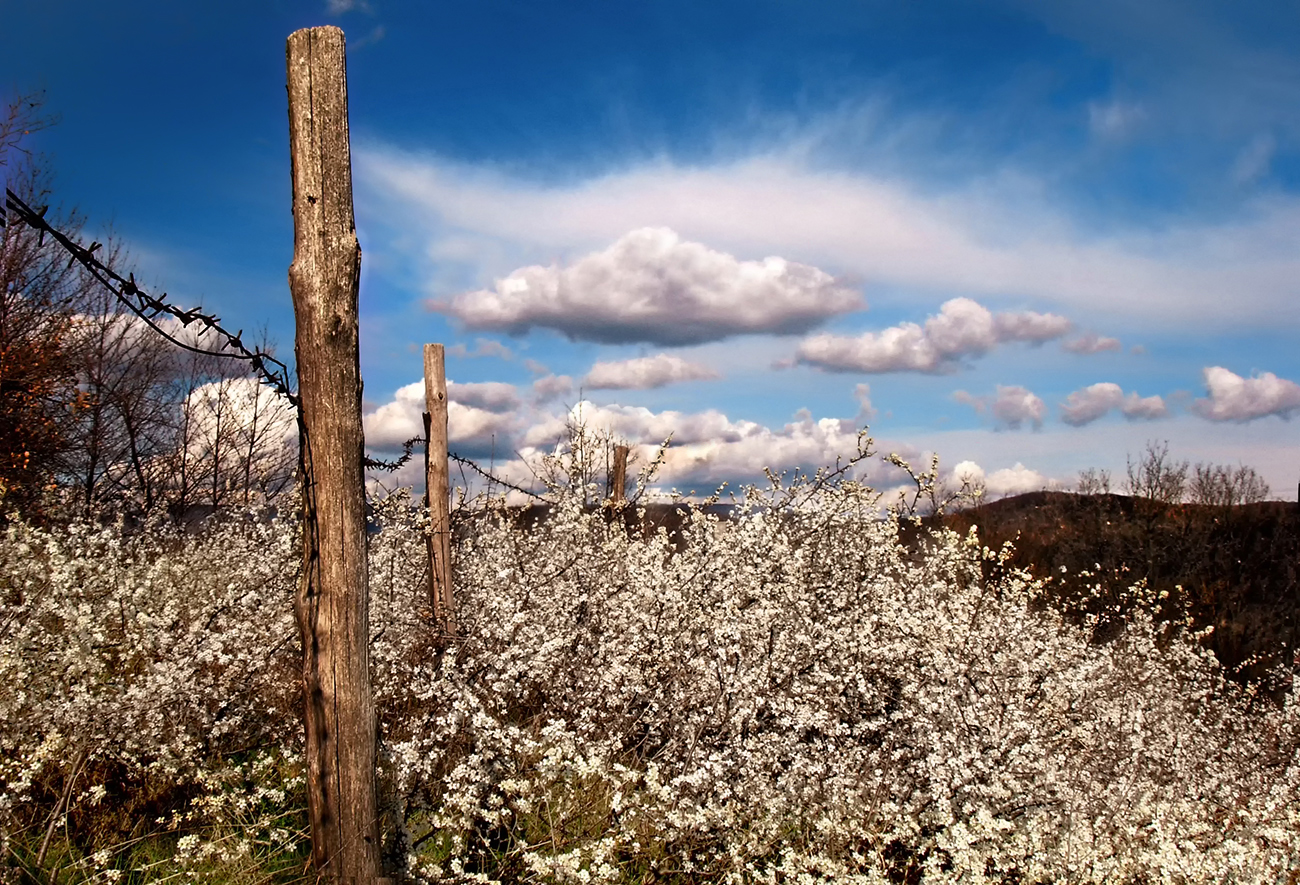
x=793, y=694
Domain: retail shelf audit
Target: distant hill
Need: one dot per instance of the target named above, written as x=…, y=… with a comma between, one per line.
x=1235, y=568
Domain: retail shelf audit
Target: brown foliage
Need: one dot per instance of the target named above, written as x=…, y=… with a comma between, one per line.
x=38, y=388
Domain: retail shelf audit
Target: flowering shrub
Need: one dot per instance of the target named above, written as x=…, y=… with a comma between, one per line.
x=791, y=695
x=148, y=688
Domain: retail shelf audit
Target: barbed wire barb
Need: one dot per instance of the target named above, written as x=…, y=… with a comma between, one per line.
x=149, y=308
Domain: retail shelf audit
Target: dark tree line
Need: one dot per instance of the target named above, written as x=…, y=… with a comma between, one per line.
x=1203, y=539
x=98, y=412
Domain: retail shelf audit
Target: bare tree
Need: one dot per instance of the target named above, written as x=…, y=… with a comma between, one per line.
x=1094, y=482
x=125, y=417
x=1156, y=477
x=1222, y=486
x=37, y=376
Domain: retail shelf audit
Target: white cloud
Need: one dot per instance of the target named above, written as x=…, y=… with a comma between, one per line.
x=1234, y=398
x=708, y=447
x=645, y=373
x=1087, y=405
x=962, y=328
x=862, y=393
x=473, y=429
x=1029, y=326
x=1015, y=405
x=1148, y=407
x=650, y=285
x=966, y=472
x=395, y=422
x=494, y=396
x=1015, y=480
x=482, y=347
x=1010, y=407
x=1091, y=342
x=1000, y=483
x=550, y=387
x=1092, y=402
x=243, y=406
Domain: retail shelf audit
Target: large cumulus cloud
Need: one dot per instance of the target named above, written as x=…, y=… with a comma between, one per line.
x=651, y=286
x=1234, y=398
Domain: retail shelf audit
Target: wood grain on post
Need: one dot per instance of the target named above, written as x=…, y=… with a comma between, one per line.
x=331, y=604
x=620, y=476
x=438, y=487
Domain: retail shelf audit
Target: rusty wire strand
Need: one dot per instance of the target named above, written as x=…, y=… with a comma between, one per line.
x=148, y=308
x=407, y=452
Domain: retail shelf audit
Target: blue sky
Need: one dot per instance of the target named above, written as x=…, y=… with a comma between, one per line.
x=1029, y=237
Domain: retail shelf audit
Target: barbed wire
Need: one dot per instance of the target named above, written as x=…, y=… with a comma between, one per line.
x=148, y=308
x=408, y=451
x=269, y=370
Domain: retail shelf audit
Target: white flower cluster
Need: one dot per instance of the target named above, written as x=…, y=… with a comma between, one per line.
x=791, y=695
x=149, y=673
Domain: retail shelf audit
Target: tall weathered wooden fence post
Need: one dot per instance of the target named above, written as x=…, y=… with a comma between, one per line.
x=331, y=606
x=437, y=487
x=619, y=479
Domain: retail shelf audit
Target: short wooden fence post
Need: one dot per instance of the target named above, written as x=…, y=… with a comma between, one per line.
x=437, y=488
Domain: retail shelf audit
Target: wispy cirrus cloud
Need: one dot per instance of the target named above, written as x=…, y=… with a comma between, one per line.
x=1000, y=236
x=1255, y=159
x=483, y=347
x=1234, y=398
x=963, y=328
x=652, y=286
x=1114, y=119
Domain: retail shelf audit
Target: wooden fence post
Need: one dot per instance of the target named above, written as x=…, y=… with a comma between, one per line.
x=620, y=476
x=331, y=604
x=437, y=488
